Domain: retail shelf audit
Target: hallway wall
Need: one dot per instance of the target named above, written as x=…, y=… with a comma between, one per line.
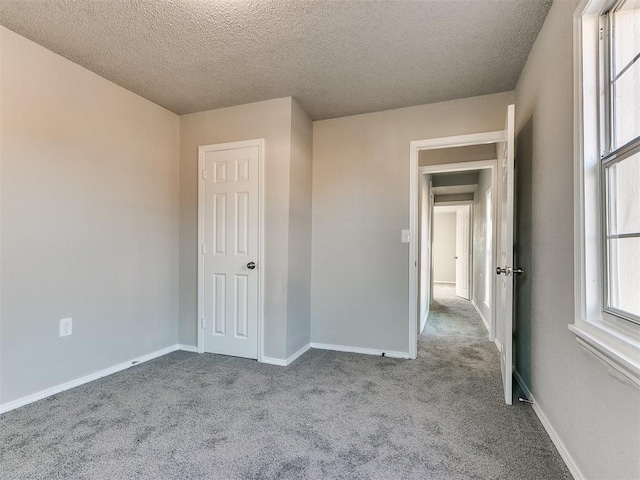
x=480, y=245
x=424, y=250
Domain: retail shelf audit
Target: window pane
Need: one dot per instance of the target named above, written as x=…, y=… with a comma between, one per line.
x=627, y=101
x=626, y=42
x=623, y=197
x=624, y=274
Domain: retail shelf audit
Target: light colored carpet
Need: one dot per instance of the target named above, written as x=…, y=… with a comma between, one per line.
x=329, y=415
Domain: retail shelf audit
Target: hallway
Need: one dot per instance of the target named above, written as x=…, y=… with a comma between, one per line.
x=463, y=367
x=456, y=347
x=453, y=317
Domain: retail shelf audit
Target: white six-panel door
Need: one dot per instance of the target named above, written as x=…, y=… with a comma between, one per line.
x=230, y=240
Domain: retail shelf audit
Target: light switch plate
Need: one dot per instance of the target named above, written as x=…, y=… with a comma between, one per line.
x=406, y=237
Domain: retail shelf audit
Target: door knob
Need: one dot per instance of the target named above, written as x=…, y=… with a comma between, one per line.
x=508, y=271
x=251, y=265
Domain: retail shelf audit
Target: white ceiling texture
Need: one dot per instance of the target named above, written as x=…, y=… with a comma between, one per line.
x=336, y=57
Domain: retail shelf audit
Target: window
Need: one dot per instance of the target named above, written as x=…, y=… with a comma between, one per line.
x=607, y=187
x=620, y=157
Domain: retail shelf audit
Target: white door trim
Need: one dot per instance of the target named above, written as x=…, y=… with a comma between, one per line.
x=414, y=188
x=260, y=261
x=452, y=203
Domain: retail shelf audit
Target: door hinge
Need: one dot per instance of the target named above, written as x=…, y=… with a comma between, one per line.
x=204, y=174
x=204, y=249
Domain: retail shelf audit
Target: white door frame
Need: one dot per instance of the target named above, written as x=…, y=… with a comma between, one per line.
x=414, y=188
x=260, y=260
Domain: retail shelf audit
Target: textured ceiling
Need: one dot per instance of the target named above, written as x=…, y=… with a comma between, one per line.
x=336, y=57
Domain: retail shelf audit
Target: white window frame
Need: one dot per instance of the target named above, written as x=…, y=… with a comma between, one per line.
x=613, y=340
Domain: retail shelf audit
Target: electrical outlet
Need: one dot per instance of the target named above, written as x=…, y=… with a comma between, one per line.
x=406, y=236
x=66, y=327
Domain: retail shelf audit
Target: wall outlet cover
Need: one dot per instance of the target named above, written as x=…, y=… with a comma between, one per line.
x=406, y=237
x=66, y=327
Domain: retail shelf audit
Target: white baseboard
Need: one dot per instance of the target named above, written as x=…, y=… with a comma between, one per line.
x=484, y=320
x=299, y=353
x=34, y=397
x=274, y=361
x=283, y=363
x=423, y=321
x=498, y=344
x=187, y=348
x=445, y=283
x=365, y=351
x=560, y=446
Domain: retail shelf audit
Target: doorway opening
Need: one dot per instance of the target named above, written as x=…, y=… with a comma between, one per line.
x=456, y=227
x=451, y=243
x=454, y=155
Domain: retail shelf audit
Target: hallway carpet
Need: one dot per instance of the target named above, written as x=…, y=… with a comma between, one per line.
x=328, y=415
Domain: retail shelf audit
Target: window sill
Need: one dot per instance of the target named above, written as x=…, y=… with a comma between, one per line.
x=618, y=349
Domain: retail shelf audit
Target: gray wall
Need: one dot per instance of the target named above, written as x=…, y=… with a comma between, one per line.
x=444, y=246
x=299, y=290
x=595, y=415
x=480, y=244
x=89, y=190
x=360, y=269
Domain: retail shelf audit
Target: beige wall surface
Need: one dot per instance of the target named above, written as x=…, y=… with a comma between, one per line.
x=299, y=289
x=453, y=197
x=457, y=154
x=444, y=246
x=270, y=120
x=360, y=269
x=595, y=415
x=89, y=221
